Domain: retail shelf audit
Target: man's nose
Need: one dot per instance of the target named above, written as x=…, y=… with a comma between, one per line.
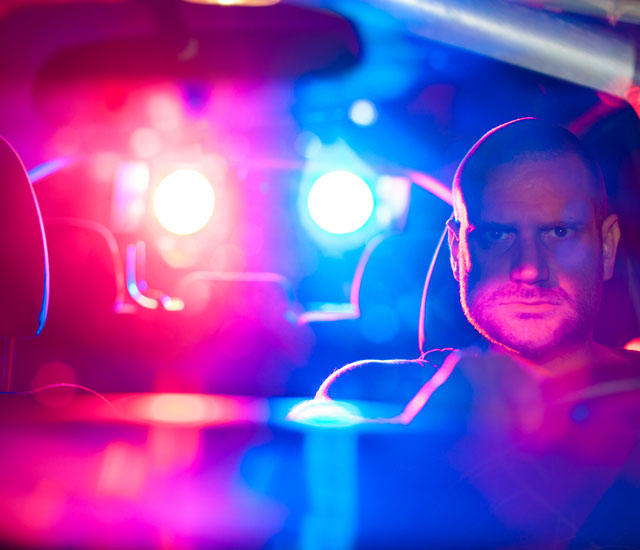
x=529, y=264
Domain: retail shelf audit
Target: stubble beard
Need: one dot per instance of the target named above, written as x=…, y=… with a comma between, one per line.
x=533, y=336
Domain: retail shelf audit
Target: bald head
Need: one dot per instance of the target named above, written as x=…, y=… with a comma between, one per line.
x=530, y=245
x=520, y=141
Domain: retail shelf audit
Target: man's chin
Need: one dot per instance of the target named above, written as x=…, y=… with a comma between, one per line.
x=532, y=351
x=534, y=339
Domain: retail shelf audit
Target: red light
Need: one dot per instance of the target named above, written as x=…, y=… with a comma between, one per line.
x=184, y=202
x=191, y=409
x=633, y=345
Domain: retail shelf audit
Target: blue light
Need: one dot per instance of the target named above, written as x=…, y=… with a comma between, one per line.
x=325, y=414
x=47, y=168
x=363, y=113
x=340, y=202
x=380, y=324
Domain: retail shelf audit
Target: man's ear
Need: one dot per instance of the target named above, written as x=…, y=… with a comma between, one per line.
x=610, y=239
x=453, y=227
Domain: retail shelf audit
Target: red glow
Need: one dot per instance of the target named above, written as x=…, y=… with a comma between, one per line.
x=184, y=202
x=54, y=372
x=191, y=409
x=145, y=143
x=633, y=345
x=123, y=471
x=180, y=408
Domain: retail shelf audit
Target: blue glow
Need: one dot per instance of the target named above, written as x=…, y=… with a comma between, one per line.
x=44, y=307
x=326, y=414
x=363, y=112
x=580, y=413
x=380, y=324
x=340, y=202
x=47, y=168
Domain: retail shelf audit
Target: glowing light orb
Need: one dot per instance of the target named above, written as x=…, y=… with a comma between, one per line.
x=340, y=202
x=184, y=202
x=362, y=112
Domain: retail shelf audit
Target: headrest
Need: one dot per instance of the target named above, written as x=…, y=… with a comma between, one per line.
x=24, y=265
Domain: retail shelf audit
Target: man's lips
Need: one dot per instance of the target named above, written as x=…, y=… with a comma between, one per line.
x=529, y=303
x=525, y=306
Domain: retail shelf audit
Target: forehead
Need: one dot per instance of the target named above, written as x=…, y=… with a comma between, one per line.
x=539, y=188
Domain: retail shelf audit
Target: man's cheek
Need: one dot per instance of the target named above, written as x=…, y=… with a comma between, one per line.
x=487, y=272
x=572, y=255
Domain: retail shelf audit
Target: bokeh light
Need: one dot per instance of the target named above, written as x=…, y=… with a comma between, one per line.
x=633, y=345
x=340, y=202
x=363, y=113
x=188, y=409
x=184, y=202
x=325, y=414
x=252, y=3
x=177, y=408
x=145, y=143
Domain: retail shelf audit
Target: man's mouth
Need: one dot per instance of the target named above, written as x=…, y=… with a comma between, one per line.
x=530, y=306
x=531, y=302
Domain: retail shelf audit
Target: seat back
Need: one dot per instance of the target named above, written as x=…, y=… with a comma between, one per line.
x=24, y=276
x=87, y=275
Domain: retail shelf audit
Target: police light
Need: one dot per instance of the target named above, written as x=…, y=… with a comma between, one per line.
x=184, y=202
x=340, y=202
x=363, y=113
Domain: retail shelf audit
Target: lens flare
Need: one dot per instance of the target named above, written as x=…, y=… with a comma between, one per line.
x=184, y=202
x=340, y=202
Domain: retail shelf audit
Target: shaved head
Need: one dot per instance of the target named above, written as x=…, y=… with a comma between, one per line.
x=521, y=140
x=531, y=243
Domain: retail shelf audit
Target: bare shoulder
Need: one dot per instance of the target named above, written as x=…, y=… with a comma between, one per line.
x=618, y=363
x=631, y=358
x=393, y=380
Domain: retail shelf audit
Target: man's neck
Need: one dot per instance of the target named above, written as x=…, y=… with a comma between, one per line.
x=583, y=356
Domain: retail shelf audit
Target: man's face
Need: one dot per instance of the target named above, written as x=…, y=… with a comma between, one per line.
x=530, y=259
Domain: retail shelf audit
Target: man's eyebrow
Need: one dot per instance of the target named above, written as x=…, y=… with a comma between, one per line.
x=482, y=224
x=579, y=225
x=572, y=222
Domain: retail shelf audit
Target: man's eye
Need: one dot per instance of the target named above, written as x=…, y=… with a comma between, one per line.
x=560, y=232
x=495, y=235
x=496, y=238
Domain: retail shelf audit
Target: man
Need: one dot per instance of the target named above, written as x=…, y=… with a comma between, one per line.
x=533, y=441
x=531, y=244
x=542, y=424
